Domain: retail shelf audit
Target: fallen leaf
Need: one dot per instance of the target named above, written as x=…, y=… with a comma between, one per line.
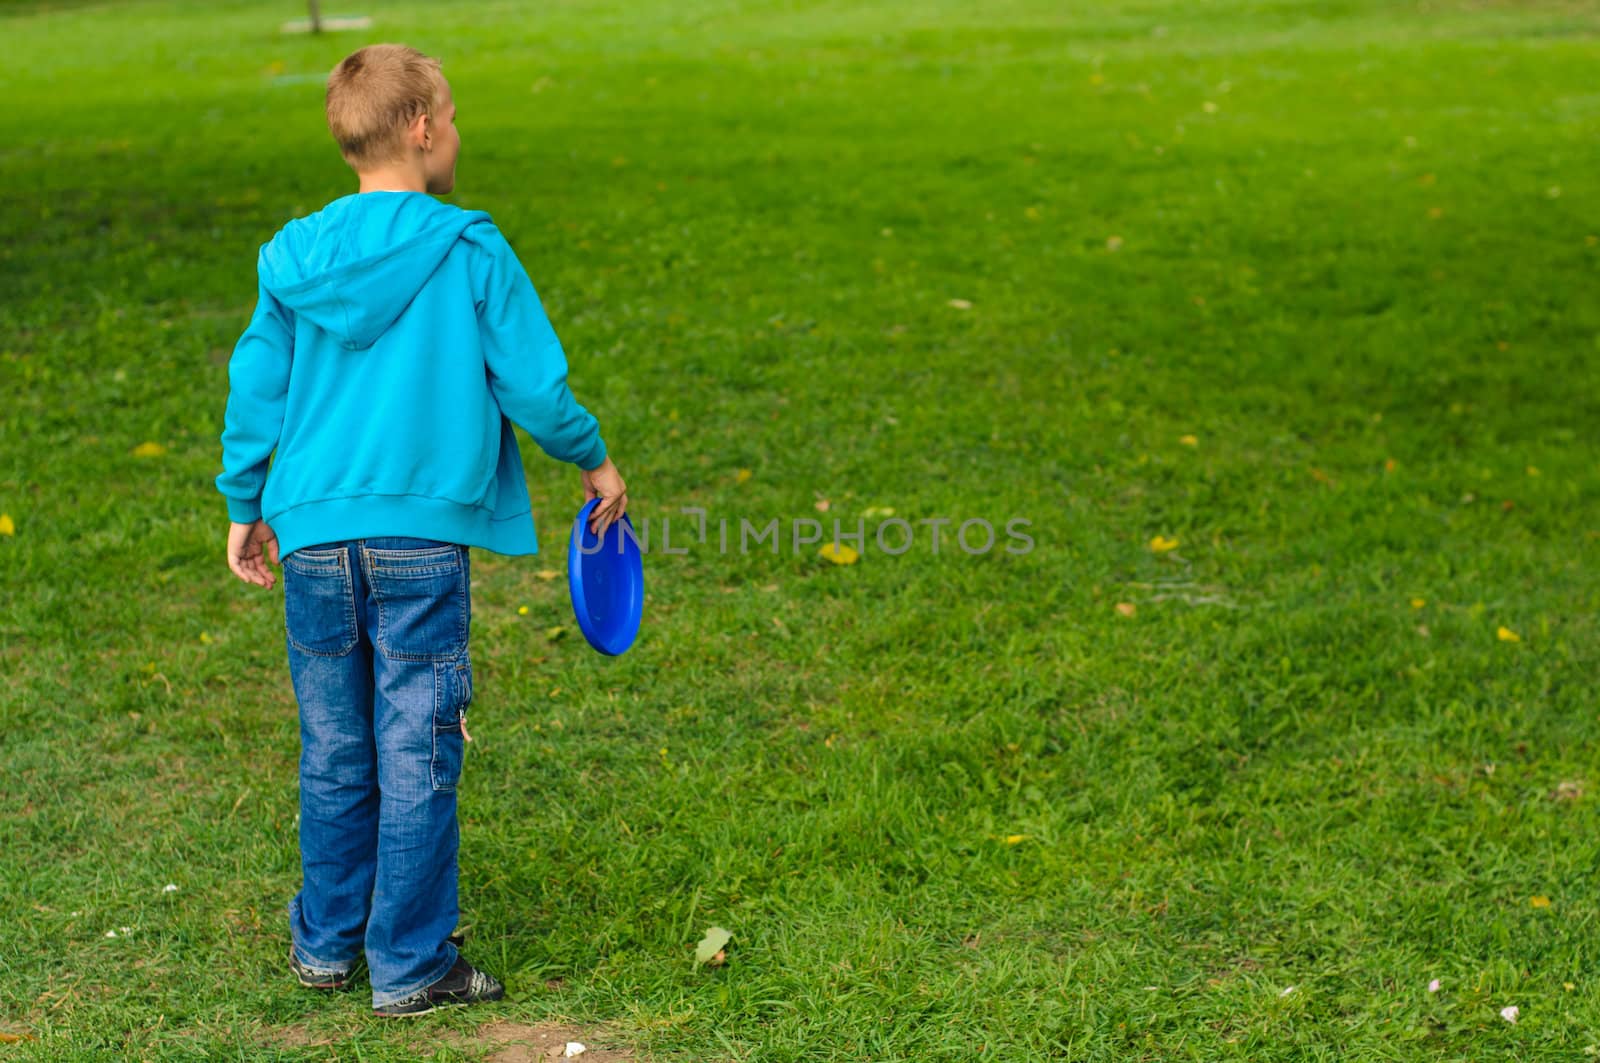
x=149, y=450
x=1015, y=839
x=1161, y=544
x=1539, y=901
x=961, y=304
x=7, y=525
x=823, y=505
x=1189, y=441
x=742, y=476
x=839, y=554
x=555, y=633
x=548, y=574
x=711, y=946
x=878, y=511
x=1567, y=790
x=1505, y=634
x=1418, y=603
x=1127, y=608
x=1113, y=243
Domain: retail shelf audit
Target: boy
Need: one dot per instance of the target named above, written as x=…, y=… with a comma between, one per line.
x=394, y=341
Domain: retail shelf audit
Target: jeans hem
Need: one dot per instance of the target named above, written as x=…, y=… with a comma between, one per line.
x=316, y=966
x=380, y=999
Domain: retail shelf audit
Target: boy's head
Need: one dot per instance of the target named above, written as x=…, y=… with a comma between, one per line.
x=390, y=110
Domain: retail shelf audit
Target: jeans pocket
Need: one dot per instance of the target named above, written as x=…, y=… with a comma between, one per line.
x=452, y=684
x=319, y=607
x=424, y=606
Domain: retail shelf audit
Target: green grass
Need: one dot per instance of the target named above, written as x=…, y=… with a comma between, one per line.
x=1355, y=258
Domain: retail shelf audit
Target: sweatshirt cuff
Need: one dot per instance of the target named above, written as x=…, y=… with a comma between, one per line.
x=243, y=512
x=595, y=458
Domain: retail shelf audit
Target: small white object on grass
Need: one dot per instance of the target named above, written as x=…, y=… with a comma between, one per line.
x=1286, y=992
x=1433, y=986
x=1510, y=1013
x=169, y=888
x=574, y=1048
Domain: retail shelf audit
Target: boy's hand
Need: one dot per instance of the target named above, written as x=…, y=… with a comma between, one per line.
x=605, y=483
x=250, y=546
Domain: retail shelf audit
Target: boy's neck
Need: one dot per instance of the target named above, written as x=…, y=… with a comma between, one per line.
x=390, y=181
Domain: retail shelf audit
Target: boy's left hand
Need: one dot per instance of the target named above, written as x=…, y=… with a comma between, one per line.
x=250, y=547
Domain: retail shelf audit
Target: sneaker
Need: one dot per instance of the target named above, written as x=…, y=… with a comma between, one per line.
x=336, y=981
x=462, y=984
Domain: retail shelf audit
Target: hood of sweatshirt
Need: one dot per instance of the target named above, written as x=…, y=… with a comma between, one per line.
x=353, y=267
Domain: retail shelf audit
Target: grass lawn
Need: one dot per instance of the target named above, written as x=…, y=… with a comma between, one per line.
x=1277, y=319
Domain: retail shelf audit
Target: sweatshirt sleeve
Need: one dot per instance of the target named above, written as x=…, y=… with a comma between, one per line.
x=526, y=365
x=258, y=385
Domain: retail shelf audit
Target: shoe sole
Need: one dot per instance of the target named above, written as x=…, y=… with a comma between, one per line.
x=435, y=1005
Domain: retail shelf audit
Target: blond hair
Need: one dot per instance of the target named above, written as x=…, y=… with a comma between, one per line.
x=374, y=95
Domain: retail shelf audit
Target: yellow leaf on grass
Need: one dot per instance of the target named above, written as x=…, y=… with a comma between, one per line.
x=7, y=525
x=554, y=633
x=1013, y=839
x=149, y=450
x=1505, y=634
x=742, y=476
x=1189, y=441
x=839, y=553
x=1161, y=544
x=1418, y=603
x=1539, y=901
x=548, y=574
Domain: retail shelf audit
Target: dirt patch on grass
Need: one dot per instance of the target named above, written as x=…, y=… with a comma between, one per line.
x=519, y=1042
x=298, y=1036
x=506, y=1041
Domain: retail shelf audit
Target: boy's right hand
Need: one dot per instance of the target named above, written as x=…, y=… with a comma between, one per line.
x=605, y=483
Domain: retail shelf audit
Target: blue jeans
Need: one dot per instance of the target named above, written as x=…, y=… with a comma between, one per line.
x=377, y=636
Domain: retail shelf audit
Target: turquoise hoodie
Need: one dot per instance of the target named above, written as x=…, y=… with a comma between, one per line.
x=394, y=342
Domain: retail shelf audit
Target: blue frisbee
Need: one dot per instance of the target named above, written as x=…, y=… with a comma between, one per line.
x=606, y=578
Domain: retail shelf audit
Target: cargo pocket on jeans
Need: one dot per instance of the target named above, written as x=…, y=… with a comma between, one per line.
x=452, y=684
